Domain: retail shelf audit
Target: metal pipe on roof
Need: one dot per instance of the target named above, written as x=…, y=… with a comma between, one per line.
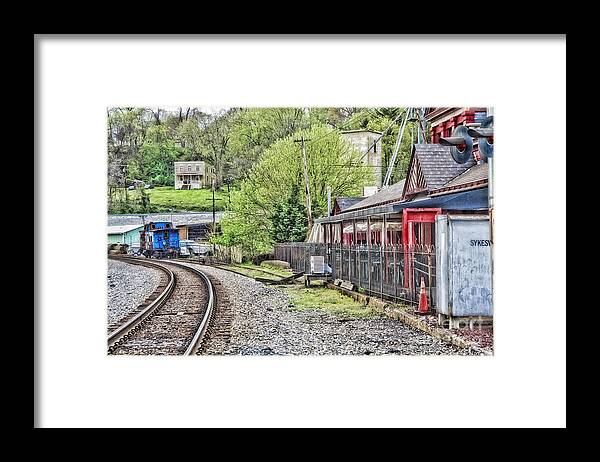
x=388, y=174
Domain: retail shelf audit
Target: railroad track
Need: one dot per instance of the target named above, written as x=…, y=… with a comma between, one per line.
x=175, y=318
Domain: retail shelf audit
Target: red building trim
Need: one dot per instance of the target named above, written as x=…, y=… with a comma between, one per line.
x=409, y=218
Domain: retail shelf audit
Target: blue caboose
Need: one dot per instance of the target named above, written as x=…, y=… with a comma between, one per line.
x=159, y=239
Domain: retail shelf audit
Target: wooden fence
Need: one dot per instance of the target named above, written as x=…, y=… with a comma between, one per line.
x=232, y=254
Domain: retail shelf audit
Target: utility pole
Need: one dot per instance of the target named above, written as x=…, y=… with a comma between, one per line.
x=124, y=177
x=306, y=181
x=214, y=200
x=213, y=205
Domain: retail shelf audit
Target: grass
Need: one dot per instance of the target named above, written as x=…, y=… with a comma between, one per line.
x=308, y=298
x=199, y=200
x=328, y=300
x=274, y=270
x=167, y=198
x=250, y=272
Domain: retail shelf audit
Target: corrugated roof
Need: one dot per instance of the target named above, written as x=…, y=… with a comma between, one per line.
x=177, y=218
x=345, y=202
x=437, y=164
x=390, y=194
x=476, y=173
x=122, y=228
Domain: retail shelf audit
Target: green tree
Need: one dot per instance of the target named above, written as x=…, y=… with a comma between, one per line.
x=153, y=161
x=276, y=184
x=289, y=222
x=253, y=130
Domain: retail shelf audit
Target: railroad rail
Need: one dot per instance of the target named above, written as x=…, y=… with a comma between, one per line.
x=175, y=322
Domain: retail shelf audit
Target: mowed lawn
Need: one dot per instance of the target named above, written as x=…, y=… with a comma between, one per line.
x=196, y=200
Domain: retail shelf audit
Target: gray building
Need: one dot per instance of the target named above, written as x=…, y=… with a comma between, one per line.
x=193, y=175
x=364, y=142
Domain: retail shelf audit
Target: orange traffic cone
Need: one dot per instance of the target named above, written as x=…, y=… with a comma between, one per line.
x=423, y=306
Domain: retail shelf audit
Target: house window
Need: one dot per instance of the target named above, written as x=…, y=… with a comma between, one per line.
x=189, y=168
x=197, y=168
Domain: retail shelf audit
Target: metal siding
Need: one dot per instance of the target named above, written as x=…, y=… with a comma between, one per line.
x=470, y=276
x=132, y=237
x=114, y=238
x=441, y=258
x=174, y=238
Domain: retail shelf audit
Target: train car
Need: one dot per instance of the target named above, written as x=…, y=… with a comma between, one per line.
x=159, y=239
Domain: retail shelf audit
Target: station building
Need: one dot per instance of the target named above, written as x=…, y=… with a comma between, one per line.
x=420, y=229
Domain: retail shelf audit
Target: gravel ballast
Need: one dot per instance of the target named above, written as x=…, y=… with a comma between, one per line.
x=264, y=324
x=128, y=286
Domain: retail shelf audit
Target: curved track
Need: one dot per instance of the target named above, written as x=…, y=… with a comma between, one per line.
x=175, y=321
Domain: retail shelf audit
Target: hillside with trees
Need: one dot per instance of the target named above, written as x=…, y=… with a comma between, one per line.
x=254, y=150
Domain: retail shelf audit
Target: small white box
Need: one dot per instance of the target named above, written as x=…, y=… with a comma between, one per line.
x=317, y=264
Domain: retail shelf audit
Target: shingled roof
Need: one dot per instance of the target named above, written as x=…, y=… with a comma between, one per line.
x=436, y=165
x=387, y=195
x=431, y=168
x=346, y=202
x=475, y=177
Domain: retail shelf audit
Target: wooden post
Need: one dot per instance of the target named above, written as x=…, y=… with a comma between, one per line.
x=395, y=276
x=358, y=264
x=213, y=207
x=342, y=257
x=381, y=255
x=429, y=275
x=369, y=249
x=350, y=259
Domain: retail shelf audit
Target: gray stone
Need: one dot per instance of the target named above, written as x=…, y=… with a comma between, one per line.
x=128, y=286
x=256, y=330
x=347, y=285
